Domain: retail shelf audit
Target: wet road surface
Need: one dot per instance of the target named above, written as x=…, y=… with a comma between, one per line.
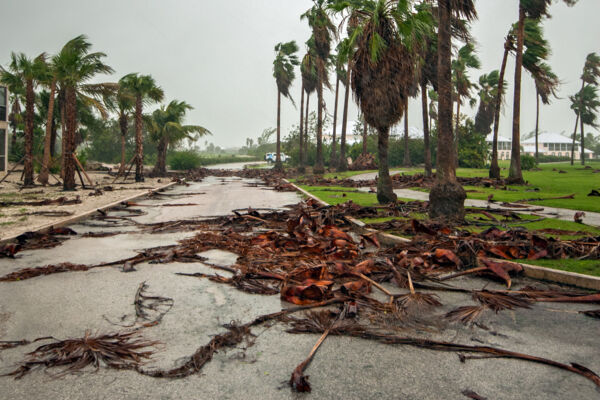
x=67, y=304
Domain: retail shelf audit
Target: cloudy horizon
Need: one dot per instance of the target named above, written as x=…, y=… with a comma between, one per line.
x=218, y=56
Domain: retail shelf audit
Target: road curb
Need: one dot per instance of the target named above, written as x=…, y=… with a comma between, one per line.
x=531, y=271
x=75, y=218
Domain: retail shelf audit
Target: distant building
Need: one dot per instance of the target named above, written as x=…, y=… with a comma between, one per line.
x=396, y=132
x=504, y=146
x=3, y=128
x=549, y=144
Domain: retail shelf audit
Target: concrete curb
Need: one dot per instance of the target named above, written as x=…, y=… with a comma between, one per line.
x=531, y=271
x=75, y=218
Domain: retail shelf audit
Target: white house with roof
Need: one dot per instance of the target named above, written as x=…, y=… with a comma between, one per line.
x=3, y=128
x=504, y=146
x=554, y=144
x=549, y=144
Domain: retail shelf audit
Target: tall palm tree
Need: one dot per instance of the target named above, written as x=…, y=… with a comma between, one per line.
x=535, y=9
x=446, y=198
x=340, y=76
x=590, y=76
x=74, y=67
x=383, y=68
x=310, y=80
x=146, y=91
x=122, y=102
x=463, y=87
x=546, y=85
x=25, y=72
x=323, y=31
x=585, y=103
x=166, y=128
x=283, y=72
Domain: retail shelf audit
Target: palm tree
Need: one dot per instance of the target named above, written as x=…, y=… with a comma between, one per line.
x=323, y=32
x=74, y=67
x=340, y=76
x=585, y=103
x=123, y=103
x=446, y=198
x=383, y=69
x=463, y=86
x=166, y=128
x=146, y=91
x=283, y=72
x=590, y=76
x=25, y=72
x=546, y=85
x=310, y=80
x=535, y=9
x=488, y=89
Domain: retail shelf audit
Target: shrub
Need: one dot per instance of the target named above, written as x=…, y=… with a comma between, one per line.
x=528, y=162
x=184, y=160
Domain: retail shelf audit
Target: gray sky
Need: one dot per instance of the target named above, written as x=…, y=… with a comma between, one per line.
x=217, y=55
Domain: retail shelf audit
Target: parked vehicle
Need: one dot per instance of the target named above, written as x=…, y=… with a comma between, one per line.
x=271, y=157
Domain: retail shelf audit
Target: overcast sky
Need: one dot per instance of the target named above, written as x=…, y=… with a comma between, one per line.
x=217, y=55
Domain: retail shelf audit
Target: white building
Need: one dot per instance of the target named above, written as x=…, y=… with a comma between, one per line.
x=554, y=144
x=3, y=128
x=549, y=144
x=504, y=146
x=396, y=132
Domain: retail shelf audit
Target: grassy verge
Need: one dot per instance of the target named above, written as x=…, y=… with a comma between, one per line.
x=586, y=267
x=549, y=181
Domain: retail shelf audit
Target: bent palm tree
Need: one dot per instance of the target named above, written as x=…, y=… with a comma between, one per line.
x=146, y=91
x=546, y=85
x=283, y=72
x=166, y=128
x=590, y=76
x=123, y=103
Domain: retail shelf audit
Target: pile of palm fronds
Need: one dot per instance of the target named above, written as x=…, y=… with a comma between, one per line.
x=116, y=350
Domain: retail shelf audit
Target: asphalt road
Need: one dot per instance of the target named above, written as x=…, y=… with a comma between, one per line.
x=69, y=304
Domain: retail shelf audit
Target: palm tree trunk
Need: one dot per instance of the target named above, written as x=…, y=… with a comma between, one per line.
x=123, y=126
x=406, y=148
x=515, y=174
x=333, y=161
x=456, y=131
x=582, y=142
x=139, y=141
x=537, y=123
x=343, y=163
x=301, y=140
x=385, y=190
x=494, y=167
x=63, y=132
x=43, y=176
x=425, y=113
x=574, y=136
x=365, y=136
x=69, y=138
x=160, y=168
x=29, y=115
x=446, y=198
x=319, y=168
x=278, y=165
x=306, y=133
x=53, y=135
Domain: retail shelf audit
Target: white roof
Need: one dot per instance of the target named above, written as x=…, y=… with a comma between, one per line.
x=351, y=124
x=548, y=137
x=490, y=138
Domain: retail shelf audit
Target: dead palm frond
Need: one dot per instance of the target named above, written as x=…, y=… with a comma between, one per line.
x=466, y=314
x=591, y=313
x=501, y=301
x=415, y=299
x=116, y=350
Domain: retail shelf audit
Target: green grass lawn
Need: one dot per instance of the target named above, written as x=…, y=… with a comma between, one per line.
x=586, y=267
x=548, y=180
